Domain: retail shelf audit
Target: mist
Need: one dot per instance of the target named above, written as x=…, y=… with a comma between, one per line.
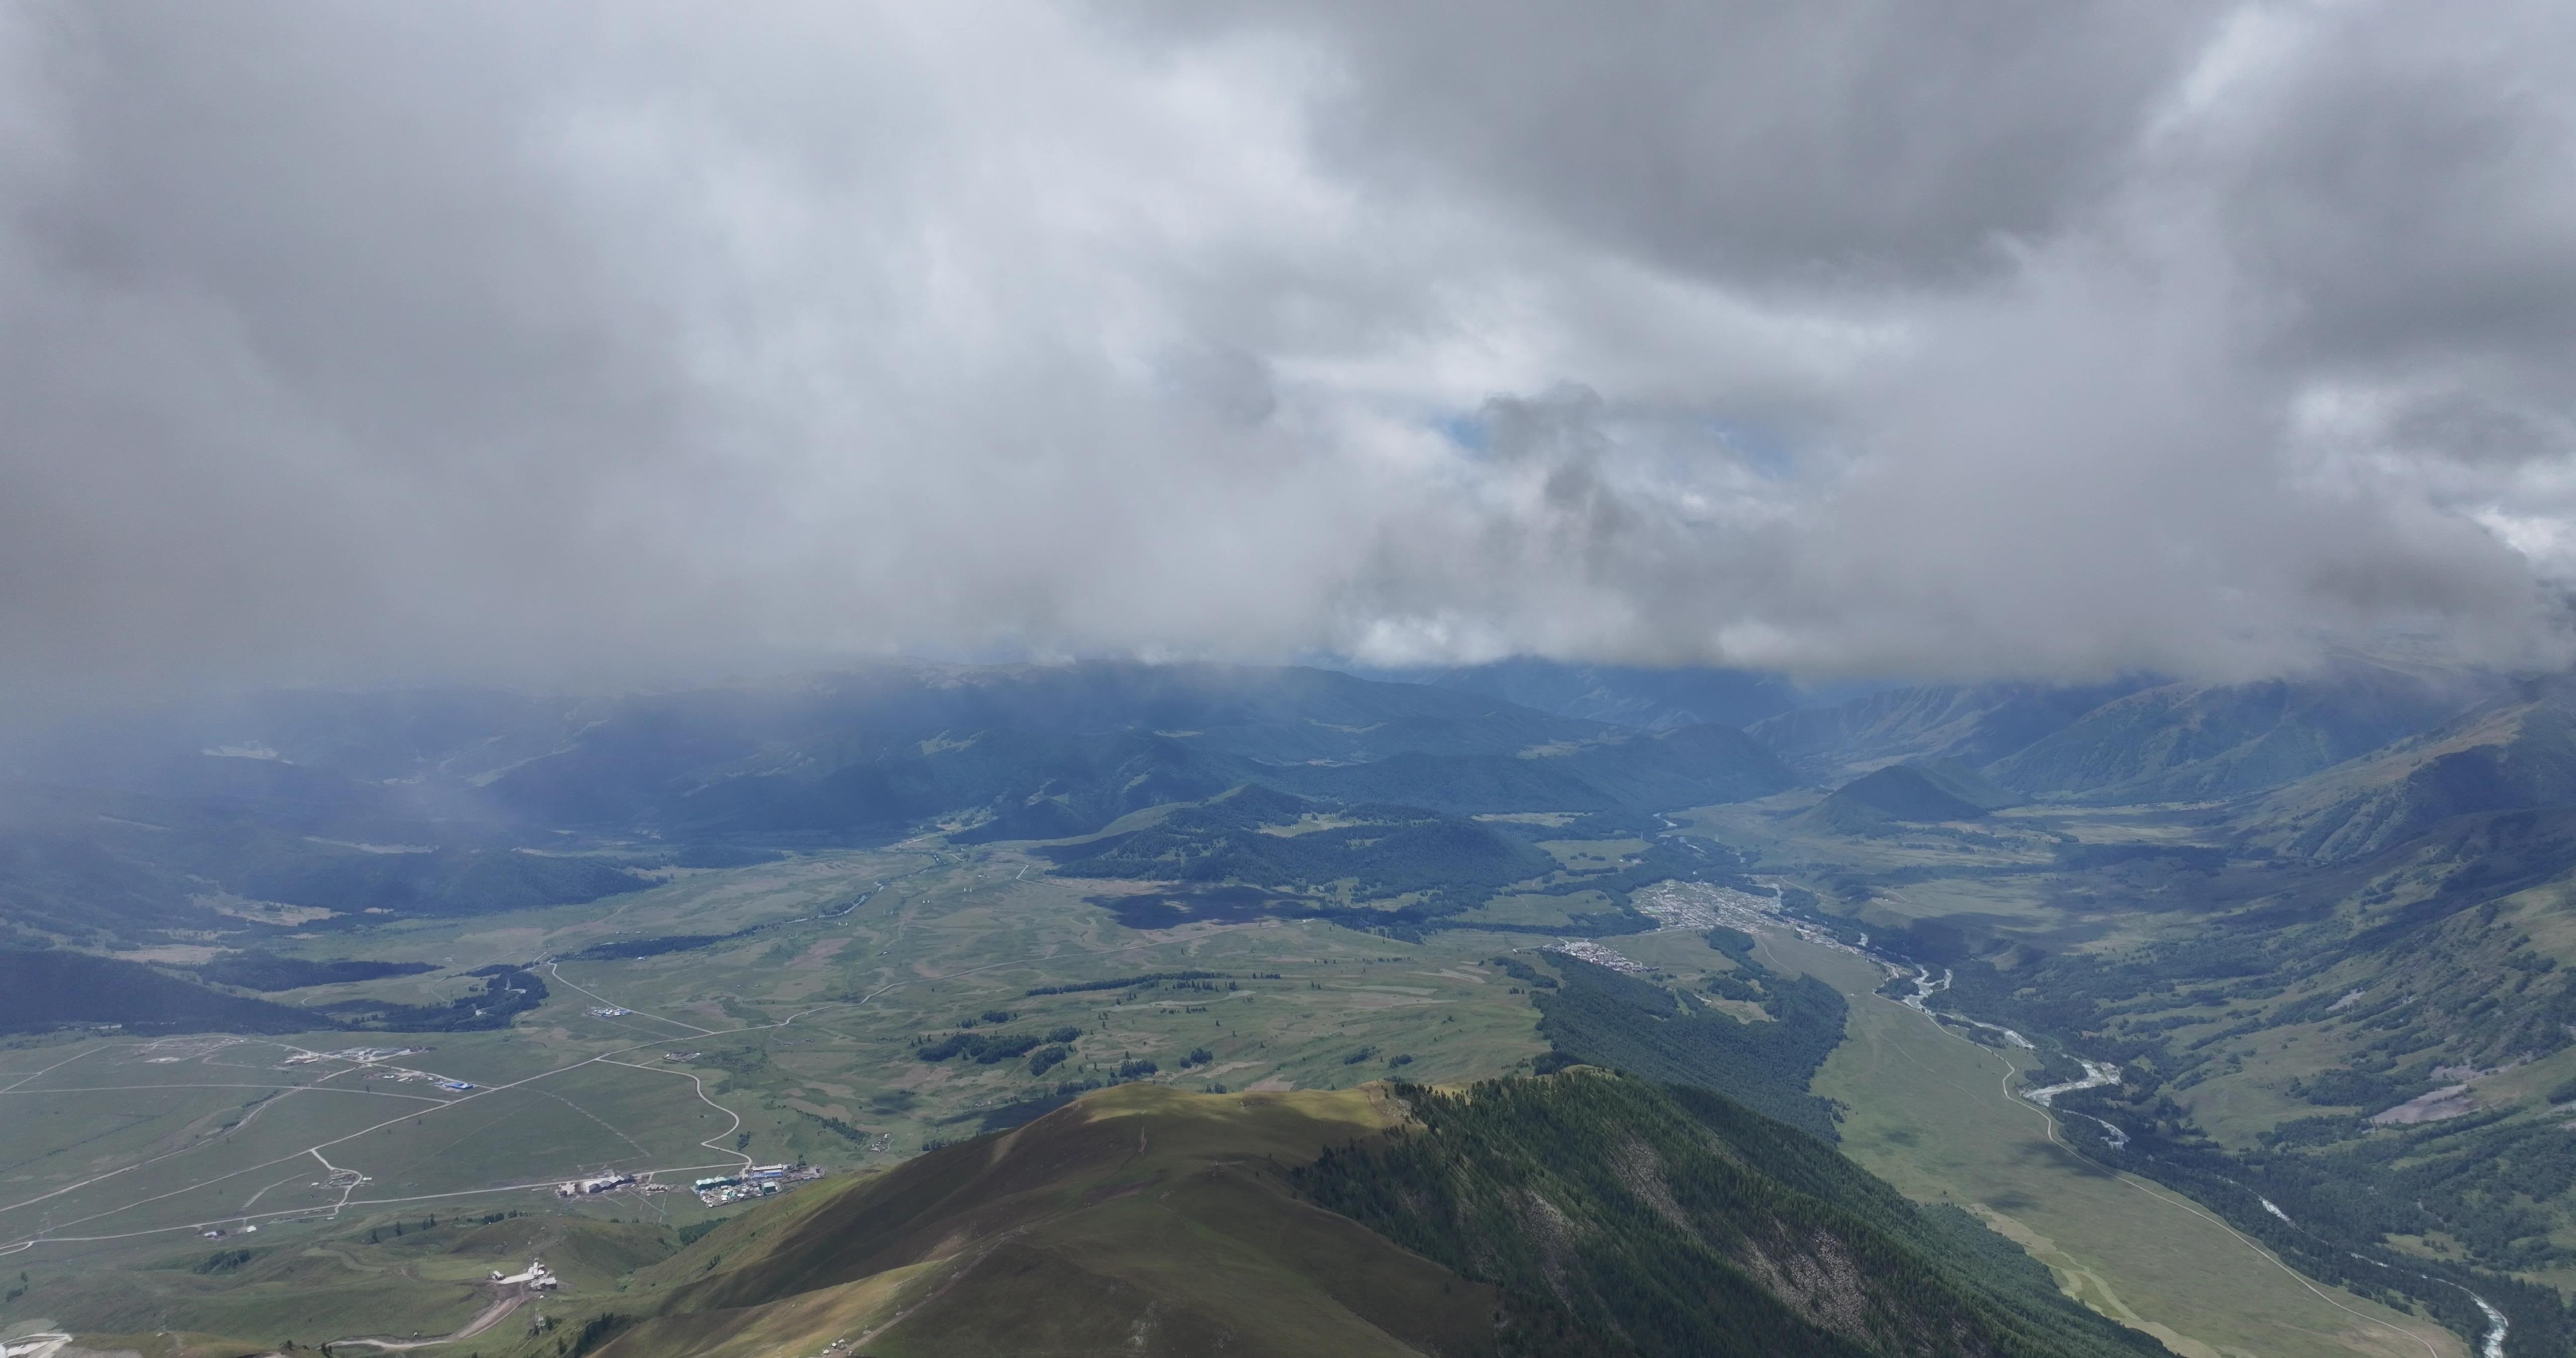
x=578, y=343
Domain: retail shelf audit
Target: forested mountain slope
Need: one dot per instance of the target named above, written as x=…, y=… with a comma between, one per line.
x=1621, y=1217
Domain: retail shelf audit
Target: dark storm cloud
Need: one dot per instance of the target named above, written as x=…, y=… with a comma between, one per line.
x=583, y=340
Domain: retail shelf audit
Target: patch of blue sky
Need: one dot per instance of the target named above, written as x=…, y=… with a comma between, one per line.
x=1467, y=429
x=1761, y=447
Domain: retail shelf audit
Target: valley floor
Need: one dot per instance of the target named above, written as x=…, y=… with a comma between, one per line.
x=1931, y=1112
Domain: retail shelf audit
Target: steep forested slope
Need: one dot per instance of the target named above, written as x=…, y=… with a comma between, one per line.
x=1597, y=1016
x=1623, y=1218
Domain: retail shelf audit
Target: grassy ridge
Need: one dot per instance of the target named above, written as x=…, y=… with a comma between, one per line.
x=1140, y=1220
x=1144, y=1220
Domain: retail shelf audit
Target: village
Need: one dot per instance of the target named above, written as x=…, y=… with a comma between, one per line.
x=753, y=1181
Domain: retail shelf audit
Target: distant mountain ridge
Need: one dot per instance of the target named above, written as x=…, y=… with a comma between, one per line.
x=1973, y=724
x=422, y=802
x=1624, y=695
x=2130, y=740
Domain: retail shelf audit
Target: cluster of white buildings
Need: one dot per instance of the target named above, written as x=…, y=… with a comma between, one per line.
x=605, y=1183
x=757, y=1181
x=1589, y=951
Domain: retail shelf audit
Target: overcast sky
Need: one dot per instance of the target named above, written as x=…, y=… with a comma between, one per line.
x=1997, y=337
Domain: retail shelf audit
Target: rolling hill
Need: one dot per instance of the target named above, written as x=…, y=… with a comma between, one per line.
x=1932, y=790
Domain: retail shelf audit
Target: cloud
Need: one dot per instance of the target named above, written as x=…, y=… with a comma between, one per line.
x=591, y=341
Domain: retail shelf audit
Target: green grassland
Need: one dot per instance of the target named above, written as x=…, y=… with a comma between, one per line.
x=803, y=1025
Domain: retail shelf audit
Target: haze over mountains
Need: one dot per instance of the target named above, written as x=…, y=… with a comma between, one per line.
x=277, y=797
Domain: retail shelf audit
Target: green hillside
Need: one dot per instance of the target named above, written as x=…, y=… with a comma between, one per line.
x=1597, y=1016
x=1609, y=1217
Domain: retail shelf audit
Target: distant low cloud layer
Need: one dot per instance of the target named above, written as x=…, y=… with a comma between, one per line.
x=1841, y=336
